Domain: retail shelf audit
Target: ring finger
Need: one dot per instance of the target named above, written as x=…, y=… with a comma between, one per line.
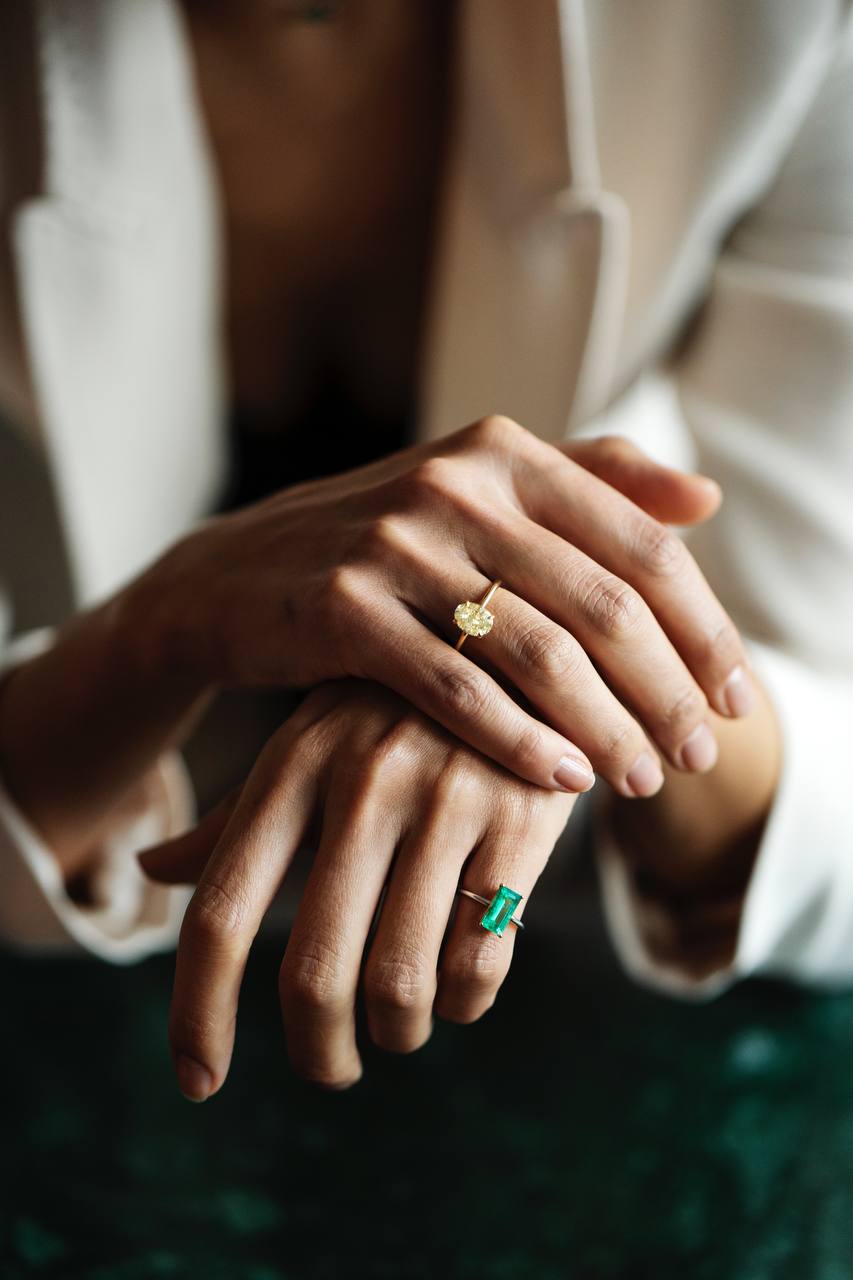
x=615, y=626
x=476, y=961
x=549, y=666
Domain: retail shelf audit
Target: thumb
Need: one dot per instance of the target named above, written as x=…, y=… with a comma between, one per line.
x=182, y=859
x=675, y=497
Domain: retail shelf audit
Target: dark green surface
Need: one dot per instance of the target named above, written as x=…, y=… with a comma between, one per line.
x=646, y=1138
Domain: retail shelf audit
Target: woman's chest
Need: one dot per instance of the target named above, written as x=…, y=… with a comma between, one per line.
x=327, y=140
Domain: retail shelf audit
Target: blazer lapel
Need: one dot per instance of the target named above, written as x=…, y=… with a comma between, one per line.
x=532, y=255
x=119, y=268
x=119, y=277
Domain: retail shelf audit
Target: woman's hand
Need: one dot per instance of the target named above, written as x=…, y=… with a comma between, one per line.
x=691, y=849
x=405, y=809
x=605, y=625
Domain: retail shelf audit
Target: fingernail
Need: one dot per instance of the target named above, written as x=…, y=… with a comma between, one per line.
x=739, y=693
x=194, y=1080
x=338, y=1086
x=699, y=752
x=645, y=776
x=711, y=485
x=573, y=773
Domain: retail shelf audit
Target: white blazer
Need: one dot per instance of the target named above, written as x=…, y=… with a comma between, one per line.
x=647, y=227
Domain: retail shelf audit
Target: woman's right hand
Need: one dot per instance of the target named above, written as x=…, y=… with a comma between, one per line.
x=604, y=624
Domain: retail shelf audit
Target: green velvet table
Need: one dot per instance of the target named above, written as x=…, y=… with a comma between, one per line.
x=583, y=1129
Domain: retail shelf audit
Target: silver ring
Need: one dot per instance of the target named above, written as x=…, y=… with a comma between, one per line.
x=488, y=902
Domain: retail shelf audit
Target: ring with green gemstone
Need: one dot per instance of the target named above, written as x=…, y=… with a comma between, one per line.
x=499, y=909
x=473, y=618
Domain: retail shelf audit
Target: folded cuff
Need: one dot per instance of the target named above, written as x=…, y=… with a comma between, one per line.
x=130, y=917
x=797, y=915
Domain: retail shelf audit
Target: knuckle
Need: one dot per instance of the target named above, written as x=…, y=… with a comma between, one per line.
x=312, y=978
x=496, y=432
x=342, y=597
x=397, y=983
x=310, y=744
x=476, y=969
x=658, y=550
x=463, y=691
x=723, y=646
x=528, y=750
x=684, y=712
x=378, y=769
x=393, y=753
x=434, y=477
x=547, y=655
x=619, y=746
x=611, y=607
x=192, y=1031
x=216, y=915
x=380, y=536
x=521, y=804
x=343, y=583
x=615, y=448
x=460, y=783
x=287, y=750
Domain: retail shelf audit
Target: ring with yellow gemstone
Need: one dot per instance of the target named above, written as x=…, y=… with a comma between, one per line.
x=474, y=619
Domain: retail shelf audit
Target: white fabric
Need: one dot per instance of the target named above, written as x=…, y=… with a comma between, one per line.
x=590, y=208
x=130, y=917
x=797, y=919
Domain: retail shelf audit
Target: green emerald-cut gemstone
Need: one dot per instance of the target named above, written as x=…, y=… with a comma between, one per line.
x=500, y=910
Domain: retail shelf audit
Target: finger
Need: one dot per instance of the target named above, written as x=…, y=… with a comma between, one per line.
x=476, y=961
x=182, y=859
x=319, y=973
x=675, y=497
x=400, y=975
x=616, y=628
x=614, y=533
x=445, y=685
x=233, y=894
x=549, y=666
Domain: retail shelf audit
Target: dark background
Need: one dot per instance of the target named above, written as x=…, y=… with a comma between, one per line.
x=583, y=1129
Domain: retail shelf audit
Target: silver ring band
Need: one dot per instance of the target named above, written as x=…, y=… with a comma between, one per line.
x=487, y=902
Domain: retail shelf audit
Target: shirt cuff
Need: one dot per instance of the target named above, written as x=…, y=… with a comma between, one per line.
x=130, y=917
x=797, y=913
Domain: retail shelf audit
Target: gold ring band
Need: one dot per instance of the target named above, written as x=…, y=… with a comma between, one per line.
x=474, y=619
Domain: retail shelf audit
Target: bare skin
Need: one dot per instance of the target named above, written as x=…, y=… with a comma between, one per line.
x=407, y=810
x=404, y=808
x=328, y=140
x=619, y=651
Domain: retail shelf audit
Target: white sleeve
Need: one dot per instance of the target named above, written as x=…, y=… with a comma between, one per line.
x=765, y=390
x=130, y=917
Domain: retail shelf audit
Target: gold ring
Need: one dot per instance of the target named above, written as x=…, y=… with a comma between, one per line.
x=475, y=619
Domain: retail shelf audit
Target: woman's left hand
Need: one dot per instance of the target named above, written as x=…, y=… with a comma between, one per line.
x=406, y=809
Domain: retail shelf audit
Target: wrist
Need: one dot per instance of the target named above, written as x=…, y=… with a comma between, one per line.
x=696, y=840
x=152, y=633
x=83, y=722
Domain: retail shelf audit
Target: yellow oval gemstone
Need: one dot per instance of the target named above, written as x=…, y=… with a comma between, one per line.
x=473, y=619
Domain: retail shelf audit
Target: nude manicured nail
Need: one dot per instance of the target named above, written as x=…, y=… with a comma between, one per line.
x=699, y=752
x=645, y=777
x=739, y=693
x=194, y=1080
x=574, y=774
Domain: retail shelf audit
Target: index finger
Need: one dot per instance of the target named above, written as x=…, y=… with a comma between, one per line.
x=233, y=895
x=653, y=559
